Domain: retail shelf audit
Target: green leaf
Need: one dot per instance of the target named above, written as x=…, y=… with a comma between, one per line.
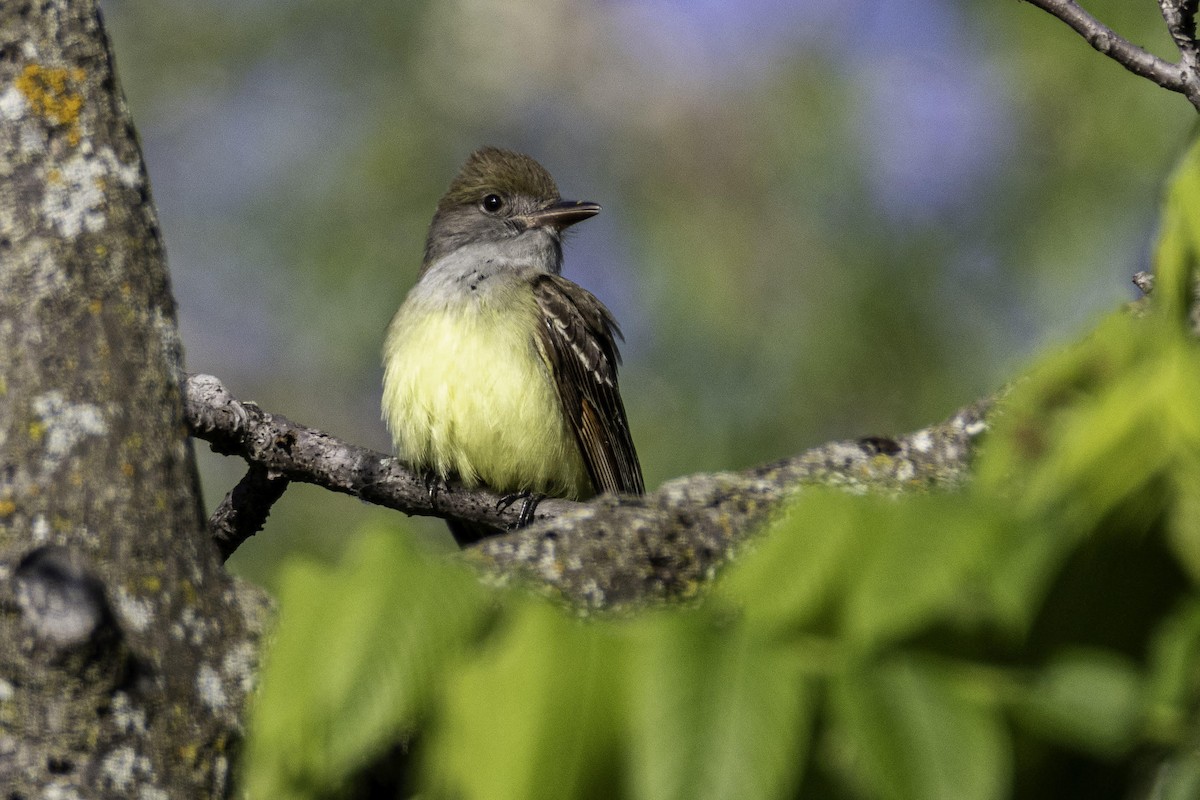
x=1090, y=699
x=1022, y=571
x=1174, y=676
x=886, y=567
x=1184, y=531
x=1179, y=240
x=906, y=731
x=925, y=552
x=532, y=715
x=355, y=661
x=801, y=564
x=1091, y=429
x=715, y=713
x=1177, y=778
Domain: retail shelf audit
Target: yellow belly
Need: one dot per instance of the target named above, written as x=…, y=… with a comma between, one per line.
x=466, y=392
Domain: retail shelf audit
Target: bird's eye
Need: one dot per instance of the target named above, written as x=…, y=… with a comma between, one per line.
x=493, y=203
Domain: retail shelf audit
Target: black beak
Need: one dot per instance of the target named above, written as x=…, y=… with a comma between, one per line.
x=562, y=214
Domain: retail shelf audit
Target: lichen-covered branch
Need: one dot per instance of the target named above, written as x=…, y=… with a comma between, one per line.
x=618, y=551
x=298, y=453
x=612, y=550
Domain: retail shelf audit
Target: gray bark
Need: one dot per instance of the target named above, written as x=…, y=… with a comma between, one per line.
x=125, y=651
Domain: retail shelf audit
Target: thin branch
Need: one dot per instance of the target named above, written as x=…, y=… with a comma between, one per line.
x=1176, y=77
x=245, y=509
x=1180, y=16
x=298, y=453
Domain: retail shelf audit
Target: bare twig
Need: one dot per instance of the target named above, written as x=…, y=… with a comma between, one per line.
x=1180, y=78
x=295, y=452
x=245, y=509
x=1180, y=16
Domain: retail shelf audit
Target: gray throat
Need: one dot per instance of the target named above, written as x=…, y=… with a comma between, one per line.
x=481, y=268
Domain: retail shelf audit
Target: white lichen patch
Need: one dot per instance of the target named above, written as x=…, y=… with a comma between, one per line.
x=238, y=666
x=13, y=105
x=168, y=336
x=846, y=454
x=117, y=767
x=74, y=197
x=127, y=717
x=6, y=691
x=153, y=793
x=191, y=627
x=220, y=772
x=128, y=174
x=211, y=688
x=593, y=594
x=922, y=442
x=548, y=565
x=136, y=613
x=60, y=791
x=40, y=529
x=64, y=425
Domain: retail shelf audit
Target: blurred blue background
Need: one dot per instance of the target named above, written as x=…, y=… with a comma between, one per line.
x=824, y=218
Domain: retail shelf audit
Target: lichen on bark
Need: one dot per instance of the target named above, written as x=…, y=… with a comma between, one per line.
x=98, y=486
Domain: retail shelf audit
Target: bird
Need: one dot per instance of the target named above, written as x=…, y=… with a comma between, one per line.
x=498, y=371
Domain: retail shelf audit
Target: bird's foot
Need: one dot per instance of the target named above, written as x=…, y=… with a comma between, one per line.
x=434, y=483
x=529, y=504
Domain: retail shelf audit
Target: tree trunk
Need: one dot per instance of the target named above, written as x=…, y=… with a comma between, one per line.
x=125, y=651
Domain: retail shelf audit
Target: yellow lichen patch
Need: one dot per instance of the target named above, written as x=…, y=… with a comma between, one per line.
x=151, y=583
x=36, y=431
x=50, y=94
x=7, y=508
x=127, y=469
x=95, y=306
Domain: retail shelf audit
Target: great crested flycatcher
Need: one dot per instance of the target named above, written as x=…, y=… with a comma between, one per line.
x=498, y=370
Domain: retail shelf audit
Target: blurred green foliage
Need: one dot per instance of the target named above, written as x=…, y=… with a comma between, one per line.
x=1035, y=635
x=822, y=219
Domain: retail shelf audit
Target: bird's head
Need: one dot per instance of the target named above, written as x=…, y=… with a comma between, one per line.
x=499, y=195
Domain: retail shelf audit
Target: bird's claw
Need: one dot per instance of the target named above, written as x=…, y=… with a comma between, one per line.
x=529, y=504
x=433, y=484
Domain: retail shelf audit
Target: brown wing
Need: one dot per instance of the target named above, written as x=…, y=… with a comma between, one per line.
x=578, y=337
